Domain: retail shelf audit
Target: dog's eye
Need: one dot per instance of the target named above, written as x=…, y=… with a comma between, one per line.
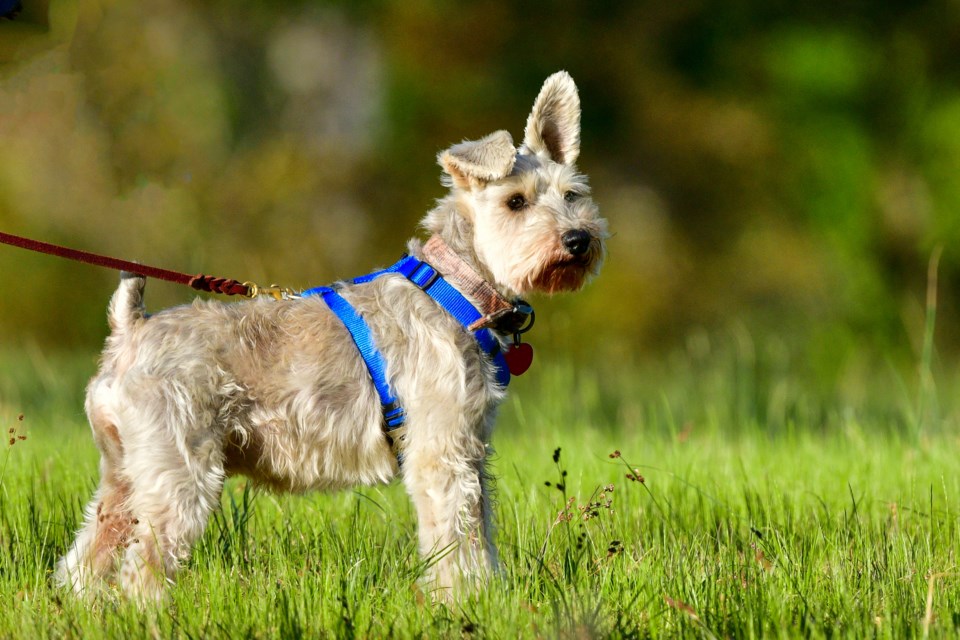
x=516, y=202
x=570, y=196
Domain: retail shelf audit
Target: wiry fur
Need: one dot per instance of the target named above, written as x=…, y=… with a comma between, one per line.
x=276, y=390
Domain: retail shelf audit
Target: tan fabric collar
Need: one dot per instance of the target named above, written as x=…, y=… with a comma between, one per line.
x=498, y=313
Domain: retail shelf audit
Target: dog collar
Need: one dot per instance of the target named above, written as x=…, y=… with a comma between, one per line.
x=506, y=316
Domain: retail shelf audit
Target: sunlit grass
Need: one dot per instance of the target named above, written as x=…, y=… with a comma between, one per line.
x=740, y=505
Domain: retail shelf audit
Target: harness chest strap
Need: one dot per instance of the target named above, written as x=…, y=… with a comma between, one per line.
x=431, y=282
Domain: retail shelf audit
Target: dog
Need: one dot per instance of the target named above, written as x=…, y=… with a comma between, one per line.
x=284, y=392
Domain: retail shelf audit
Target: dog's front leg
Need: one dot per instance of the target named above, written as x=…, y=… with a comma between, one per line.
x=449, y=489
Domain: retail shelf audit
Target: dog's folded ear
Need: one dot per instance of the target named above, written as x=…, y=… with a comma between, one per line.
x=553, y=128
x=490, y=158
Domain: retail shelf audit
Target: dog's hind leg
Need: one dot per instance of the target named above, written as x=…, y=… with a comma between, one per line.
x=176, y=478
x=95, y=553
x=172, y=504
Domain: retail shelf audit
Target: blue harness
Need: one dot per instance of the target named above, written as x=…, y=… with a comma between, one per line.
x=432, y=283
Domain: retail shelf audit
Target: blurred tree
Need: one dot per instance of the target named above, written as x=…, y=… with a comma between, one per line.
x=787, y=166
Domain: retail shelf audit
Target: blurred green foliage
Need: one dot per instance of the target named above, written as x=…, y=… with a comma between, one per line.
x=768, y=167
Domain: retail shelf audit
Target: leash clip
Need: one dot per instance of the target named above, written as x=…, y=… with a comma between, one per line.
x=275, y=291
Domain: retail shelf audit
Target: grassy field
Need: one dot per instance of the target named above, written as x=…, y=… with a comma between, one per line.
x=741, y=505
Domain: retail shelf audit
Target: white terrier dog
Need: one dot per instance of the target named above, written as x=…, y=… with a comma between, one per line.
x=396, y=373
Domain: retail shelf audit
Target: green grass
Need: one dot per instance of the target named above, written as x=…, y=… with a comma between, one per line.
x=765, y=510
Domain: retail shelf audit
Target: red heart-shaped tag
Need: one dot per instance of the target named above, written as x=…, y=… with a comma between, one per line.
x=519, y=357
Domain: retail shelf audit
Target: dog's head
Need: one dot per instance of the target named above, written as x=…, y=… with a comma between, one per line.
x=534, y=225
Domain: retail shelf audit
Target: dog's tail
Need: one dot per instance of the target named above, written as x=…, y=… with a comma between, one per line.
x=126, y=305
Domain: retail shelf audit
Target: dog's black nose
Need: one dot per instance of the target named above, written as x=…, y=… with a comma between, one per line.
x=576, y=242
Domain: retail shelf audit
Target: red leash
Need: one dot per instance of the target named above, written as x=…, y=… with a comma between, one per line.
x=199, y=282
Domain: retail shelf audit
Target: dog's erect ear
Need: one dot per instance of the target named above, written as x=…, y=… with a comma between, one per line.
x=553, y=128
x=483, y=160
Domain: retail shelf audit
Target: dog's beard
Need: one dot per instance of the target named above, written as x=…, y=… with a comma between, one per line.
x=561, y=276
x=565, y=273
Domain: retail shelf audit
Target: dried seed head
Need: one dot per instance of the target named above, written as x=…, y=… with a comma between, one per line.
x=615, y=454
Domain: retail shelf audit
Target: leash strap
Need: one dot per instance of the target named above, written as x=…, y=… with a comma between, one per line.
x=430, y=282
x=199, y=282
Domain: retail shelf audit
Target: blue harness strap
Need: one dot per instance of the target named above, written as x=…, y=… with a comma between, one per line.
x=393, y=414
x=432, y=283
